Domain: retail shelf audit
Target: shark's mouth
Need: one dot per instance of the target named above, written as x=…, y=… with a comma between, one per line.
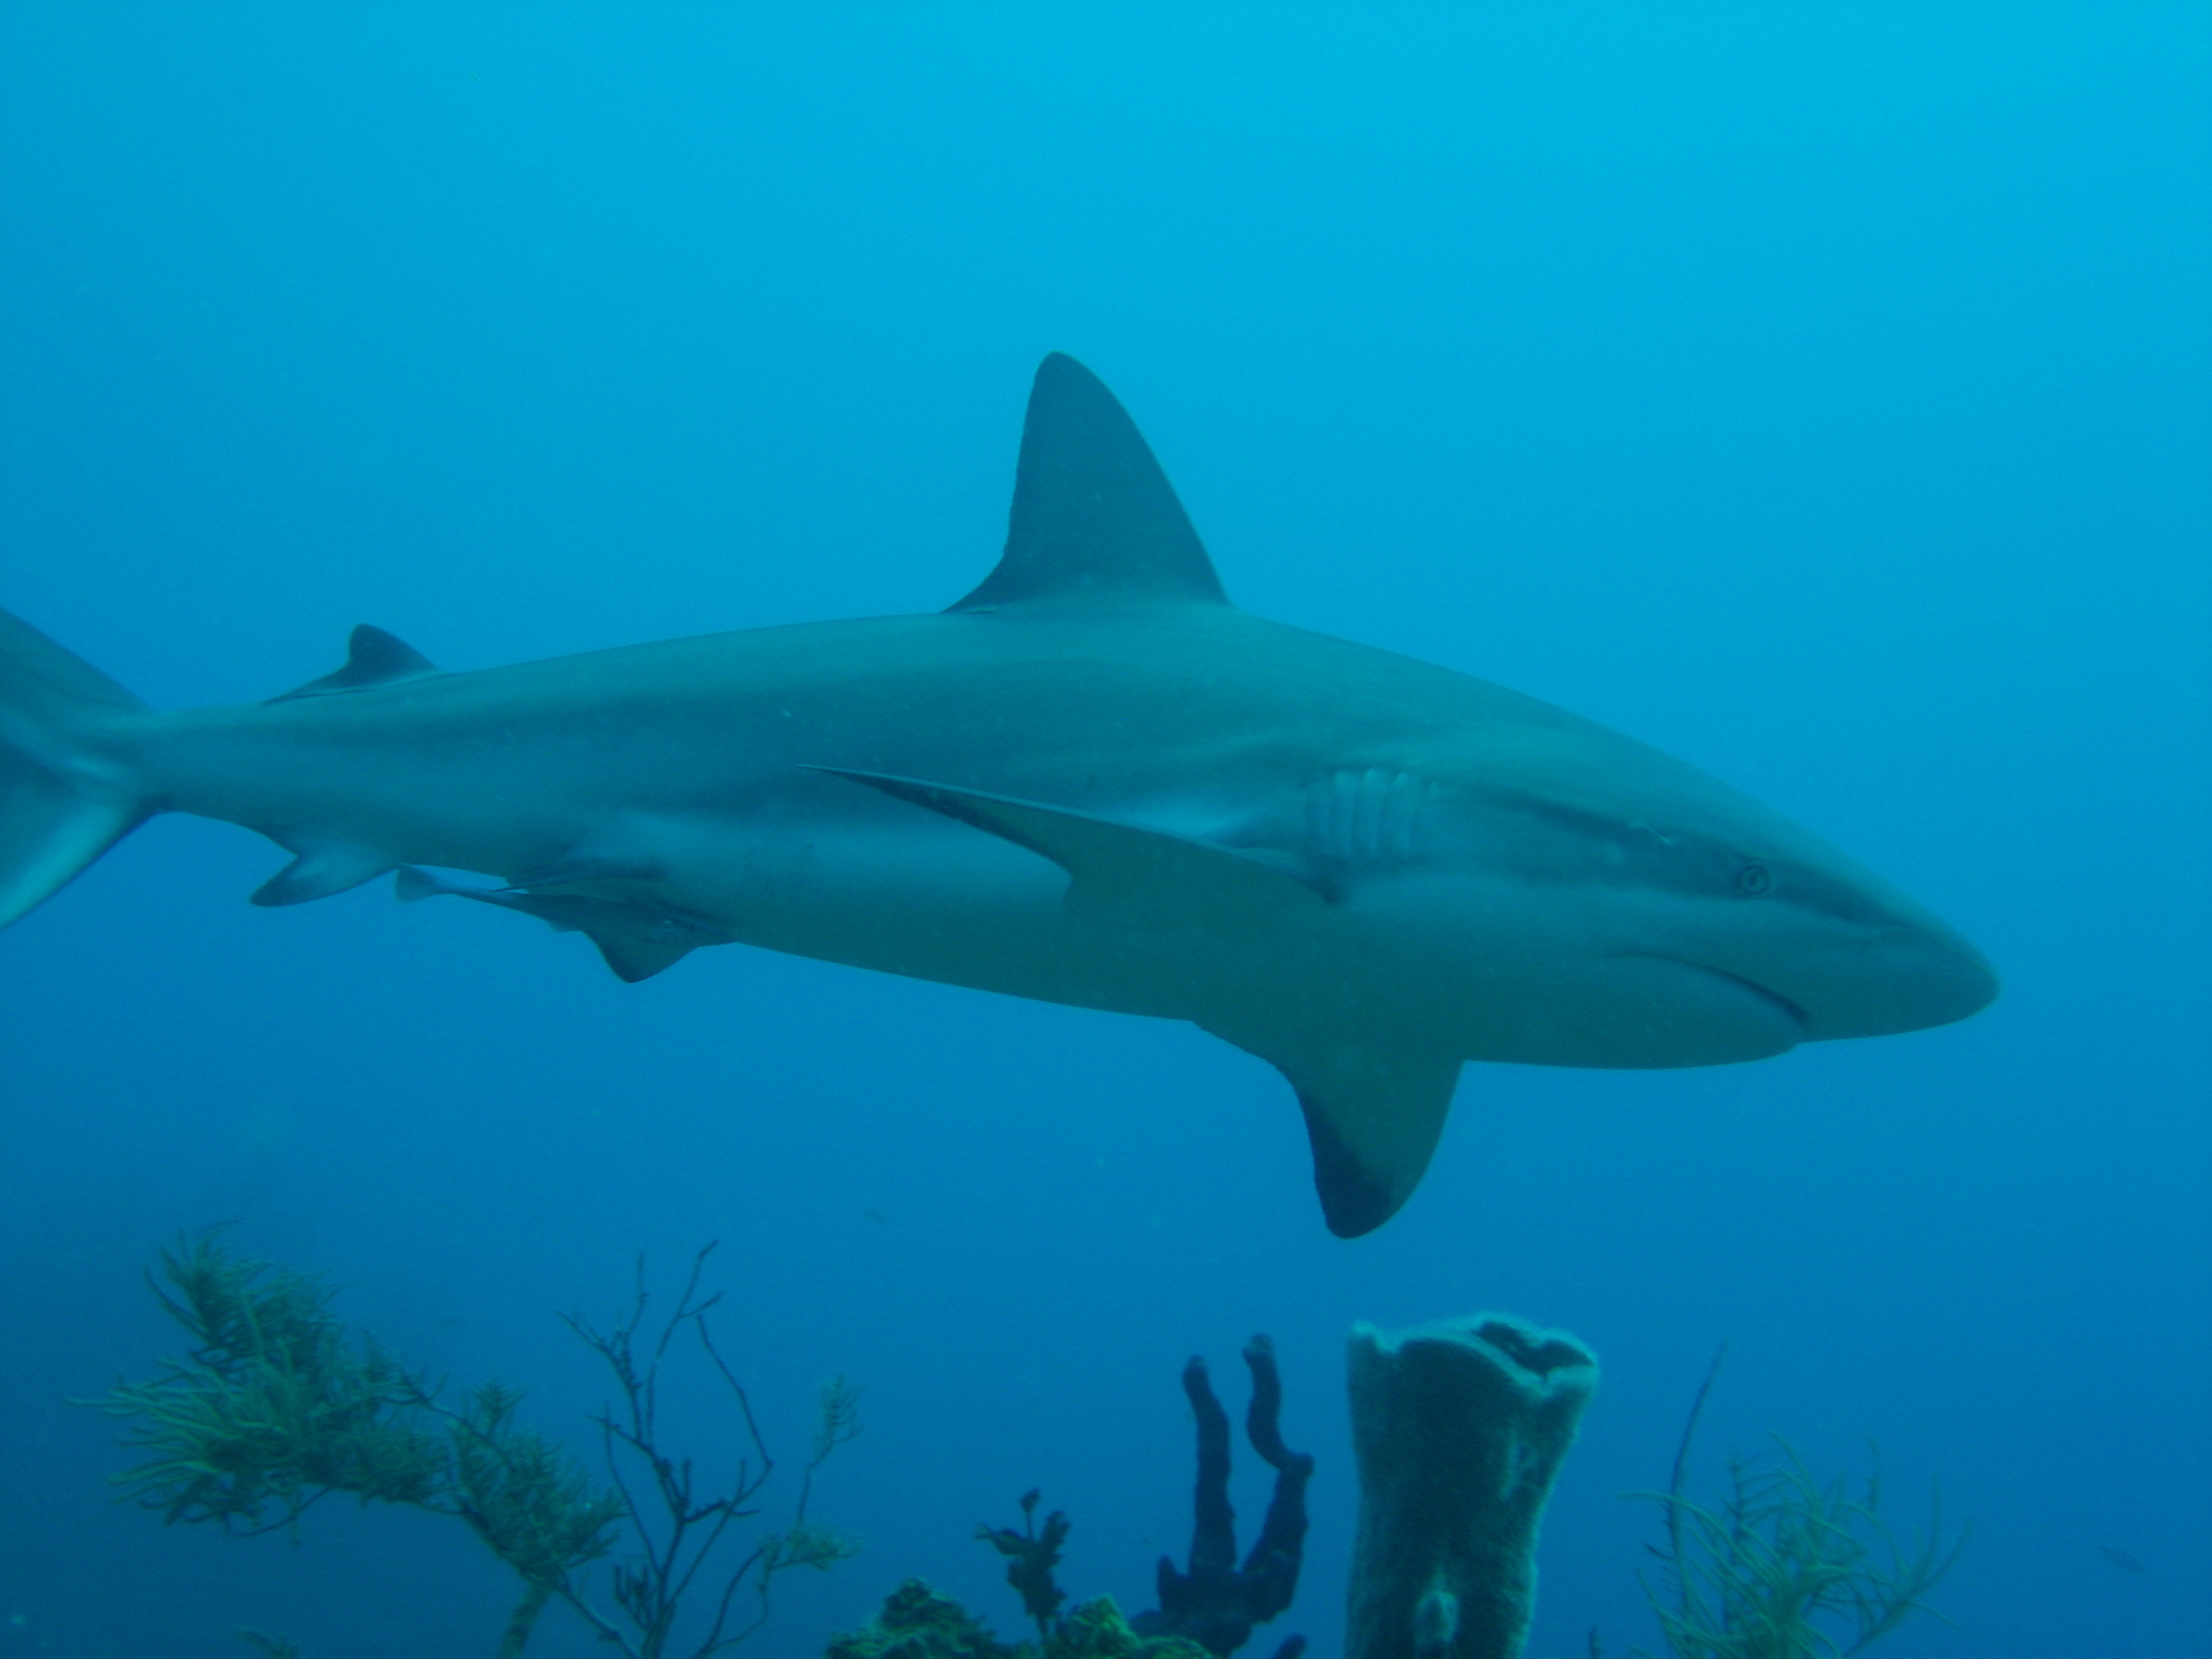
x=1705, y=1015
x=1773, y=999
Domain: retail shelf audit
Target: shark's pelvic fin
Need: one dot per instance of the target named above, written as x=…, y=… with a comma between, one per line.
x=321, y=870
x=1119, y=874
x=1092, y=513
x=637, y=941
x=374, y=658
x=1375, y=1108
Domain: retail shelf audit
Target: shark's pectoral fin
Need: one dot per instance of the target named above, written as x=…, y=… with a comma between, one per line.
x=1120, y=875
x=321, y=870
x=1375, y=1108
x=637, y=941
x=1374, y=1118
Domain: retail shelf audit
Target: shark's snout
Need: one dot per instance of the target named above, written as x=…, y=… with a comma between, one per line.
x=1843, y=957
x=1857, y=982
x=1904, y=979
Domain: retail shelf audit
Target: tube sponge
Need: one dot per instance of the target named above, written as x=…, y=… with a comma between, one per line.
x=1458, y=1427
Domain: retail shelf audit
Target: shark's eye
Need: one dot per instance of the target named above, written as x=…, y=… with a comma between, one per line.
x=1754, y=881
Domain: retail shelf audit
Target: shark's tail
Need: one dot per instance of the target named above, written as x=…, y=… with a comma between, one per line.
x=62, y=803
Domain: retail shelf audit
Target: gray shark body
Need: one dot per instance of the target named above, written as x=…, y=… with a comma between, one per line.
x=1092, y=782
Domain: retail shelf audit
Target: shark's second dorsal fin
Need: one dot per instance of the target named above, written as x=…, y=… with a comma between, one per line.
x=373, y=658
x=1093, y=512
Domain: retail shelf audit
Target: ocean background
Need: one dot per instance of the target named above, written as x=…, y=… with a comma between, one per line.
x=1819, y=392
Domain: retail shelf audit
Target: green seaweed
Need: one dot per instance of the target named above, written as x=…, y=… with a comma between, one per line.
x=1781, y=1565
x=277, y=1404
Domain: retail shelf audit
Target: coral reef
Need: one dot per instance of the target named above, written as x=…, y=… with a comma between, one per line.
x=917, y=1623
x=1096, y=1630
x=278, y=1405
x=1458, y=1427
x=1207, y=1611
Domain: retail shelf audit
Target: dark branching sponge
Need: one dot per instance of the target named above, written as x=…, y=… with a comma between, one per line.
x=1030, y=1558
x=1215, y=1602
x=1206, y=1611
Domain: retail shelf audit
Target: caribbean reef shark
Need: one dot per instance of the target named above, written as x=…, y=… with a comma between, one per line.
x=1092, y=780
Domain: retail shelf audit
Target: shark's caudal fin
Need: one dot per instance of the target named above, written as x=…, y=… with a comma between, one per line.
x=1092, y=513
x=61, y=804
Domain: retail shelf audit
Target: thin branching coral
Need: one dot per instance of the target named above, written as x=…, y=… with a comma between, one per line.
x=679, y=1523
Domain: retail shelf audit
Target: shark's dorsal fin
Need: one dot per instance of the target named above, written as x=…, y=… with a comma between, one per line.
x=1092, y=513
x=373, y=658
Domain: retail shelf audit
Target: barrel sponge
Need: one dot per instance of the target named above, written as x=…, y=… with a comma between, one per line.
x=1458, y=1428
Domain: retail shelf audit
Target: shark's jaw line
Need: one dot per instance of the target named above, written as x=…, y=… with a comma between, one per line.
x=1779, y=1002
x=1772, y=1000
x=1092, y=780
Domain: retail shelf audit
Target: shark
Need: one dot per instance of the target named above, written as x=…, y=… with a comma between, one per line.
x=1092, y=780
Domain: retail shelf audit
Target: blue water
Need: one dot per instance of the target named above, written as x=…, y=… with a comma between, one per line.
x=1818, y=393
